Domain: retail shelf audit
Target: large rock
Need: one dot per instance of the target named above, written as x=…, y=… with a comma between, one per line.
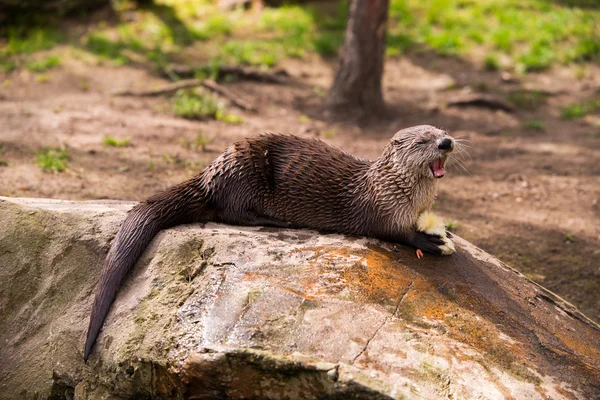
x=215, y=311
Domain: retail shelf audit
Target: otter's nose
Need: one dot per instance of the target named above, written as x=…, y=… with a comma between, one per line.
x=446, y=144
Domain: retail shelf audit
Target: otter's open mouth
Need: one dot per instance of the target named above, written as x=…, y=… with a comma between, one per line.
x=437, y=167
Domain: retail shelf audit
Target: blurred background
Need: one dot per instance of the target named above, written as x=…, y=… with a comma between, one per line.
x=120, y=99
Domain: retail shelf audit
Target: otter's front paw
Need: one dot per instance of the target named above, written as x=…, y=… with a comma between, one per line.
x=448, y=247
x=428, y=243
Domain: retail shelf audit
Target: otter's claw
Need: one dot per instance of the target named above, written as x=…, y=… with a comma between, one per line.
x=427, y=243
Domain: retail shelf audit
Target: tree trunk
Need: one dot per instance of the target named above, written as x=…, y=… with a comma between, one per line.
x=357, y=84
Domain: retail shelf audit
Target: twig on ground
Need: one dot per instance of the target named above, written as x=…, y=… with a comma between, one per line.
x=189, y=83
x=279, y=77
x=223, y=91
x=480, y=100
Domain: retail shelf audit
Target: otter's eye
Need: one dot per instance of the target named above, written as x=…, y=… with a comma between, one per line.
x=422, y=141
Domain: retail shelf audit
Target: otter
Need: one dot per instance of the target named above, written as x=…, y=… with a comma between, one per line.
x=286, y=181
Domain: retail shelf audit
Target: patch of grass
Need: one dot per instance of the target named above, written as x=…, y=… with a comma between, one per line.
x=588, y=49
x=569, y=237
x=7, y=65
x=527, y=99
x=3, y=163
x=256, y=53
x=451, y=225
x=44, y=64
x=450, y=42
x=52, y=159
x=533, y=35
x=102, y=46
x=573, y=111
x=535, y=124
x=202, y=141
x=578, y=110
x=291, y=20
x=110, y=141
x=214, y=26
x=397, y=43
x=329, y=133
x=42, y=78
x=491, y=62
x=529, y=36
x=194, y=105
x=538, y=57
x=328, y=43
x=21, y=40
x=223, y=116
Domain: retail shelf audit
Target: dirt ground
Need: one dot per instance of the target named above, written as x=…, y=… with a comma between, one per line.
x=528, y=196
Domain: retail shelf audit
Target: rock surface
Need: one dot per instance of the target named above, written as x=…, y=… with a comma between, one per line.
x=215, y=311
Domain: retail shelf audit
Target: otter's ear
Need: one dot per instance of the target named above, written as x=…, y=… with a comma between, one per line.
x=398, y=141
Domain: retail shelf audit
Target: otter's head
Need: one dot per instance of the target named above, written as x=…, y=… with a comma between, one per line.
x=422, y=149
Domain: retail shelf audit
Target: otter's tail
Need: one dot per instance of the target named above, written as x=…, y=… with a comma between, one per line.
x=185, y=202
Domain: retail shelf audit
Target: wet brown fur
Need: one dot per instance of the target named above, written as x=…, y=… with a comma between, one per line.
x=287, y=181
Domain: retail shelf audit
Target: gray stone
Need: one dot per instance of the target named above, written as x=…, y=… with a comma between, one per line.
x=215, y=311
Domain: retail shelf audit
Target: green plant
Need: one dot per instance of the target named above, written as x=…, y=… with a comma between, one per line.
x=110, y=141
x=578, y=110
x=44, y=64
x=52, y=159
x=538, y=57
x=221, y=115
x=23, y=40
x=328, y=43
x=451, y=225
x=445, y=42
x=7, y=65
x=491, y=62
x=573, y=111
x=202, y=141
x=42, y=78
x=259, y=53
x=563, y=33
x=214, y=26
x=535, y=124
x=329, y=133
x=102, y=46
x=527, y=99
x=193, y=105
x=3, y=163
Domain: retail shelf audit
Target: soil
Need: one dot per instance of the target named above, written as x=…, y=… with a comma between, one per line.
x=530, y=197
